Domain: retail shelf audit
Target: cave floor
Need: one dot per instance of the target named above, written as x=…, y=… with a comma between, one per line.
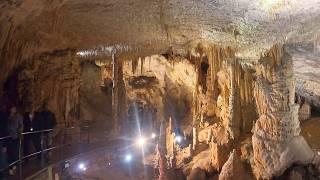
x=310, y=130
x=75, y=145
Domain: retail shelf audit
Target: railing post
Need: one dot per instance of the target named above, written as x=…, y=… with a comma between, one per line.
x=20, y=154
x=61, y=142
x=41, y=149
x=88, y=130
x=80, y=134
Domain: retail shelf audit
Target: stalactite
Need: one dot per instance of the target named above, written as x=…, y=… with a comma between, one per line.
x=169, y=138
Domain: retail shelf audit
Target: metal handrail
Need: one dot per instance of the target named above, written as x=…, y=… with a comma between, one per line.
x=38, y=152
x=45, y=130
x=73, y=157
x=5, y=137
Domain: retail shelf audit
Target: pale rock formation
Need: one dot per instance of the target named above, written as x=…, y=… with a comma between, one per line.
x=309, y=90
x=195, y=140
x=304, y=111
x=171, y=144
x=228, y=86
x=157, y=82
x=205, y=134
x=276, y=136
x=233, y=169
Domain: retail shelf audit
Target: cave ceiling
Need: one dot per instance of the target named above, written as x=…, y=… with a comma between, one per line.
x=151, y=27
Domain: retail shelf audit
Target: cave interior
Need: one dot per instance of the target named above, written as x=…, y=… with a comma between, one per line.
x=229, y=89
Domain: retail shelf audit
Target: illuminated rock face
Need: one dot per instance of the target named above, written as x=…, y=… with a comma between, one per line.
x=276, y=139
x=233, y=168
x=53, y=79
x=162, y=86
x=304, y=111
x=38, y=26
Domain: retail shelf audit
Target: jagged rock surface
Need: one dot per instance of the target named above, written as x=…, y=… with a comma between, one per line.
x=305, y=111
x=53, y=79
x=276, y=139
x=233, y=169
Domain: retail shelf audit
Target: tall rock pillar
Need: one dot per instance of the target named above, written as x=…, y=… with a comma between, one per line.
x=276, y=139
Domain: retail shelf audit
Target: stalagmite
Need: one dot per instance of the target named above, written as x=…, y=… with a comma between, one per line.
x=276, y=139
x=233, y=169
x=161, y=147
x=195, y=140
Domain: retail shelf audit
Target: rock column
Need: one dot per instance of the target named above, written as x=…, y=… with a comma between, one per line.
x=276, y=139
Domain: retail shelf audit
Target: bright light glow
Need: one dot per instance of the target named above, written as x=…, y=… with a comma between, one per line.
x=178, y=139
x=66, y=165
x=153, y=135
x=128, y=158
x=141, y=141
x=82, y=167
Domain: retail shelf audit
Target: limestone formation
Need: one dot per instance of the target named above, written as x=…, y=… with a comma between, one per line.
x=233, y=169
x=276, y=139
x=304, y=111
x=219, y=154
x=196, y=69
x=53, y=79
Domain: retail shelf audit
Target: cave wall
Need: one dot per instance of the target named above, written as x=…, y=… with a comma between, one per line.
x=223, y=87
x=52, y=78
x=169, y=88
x=25, y=31
x=228, y=86
x=95, y=94
x=33, y=71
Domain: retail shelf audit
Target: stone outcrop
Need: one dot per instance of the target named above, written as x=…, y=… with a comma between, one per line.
x=304, y=111
x=276, y=139
x=233, y=169
x=161, y=85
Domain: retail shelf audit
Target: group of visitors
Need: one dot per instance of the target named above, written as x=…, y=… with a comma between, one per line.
x=17, y=127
